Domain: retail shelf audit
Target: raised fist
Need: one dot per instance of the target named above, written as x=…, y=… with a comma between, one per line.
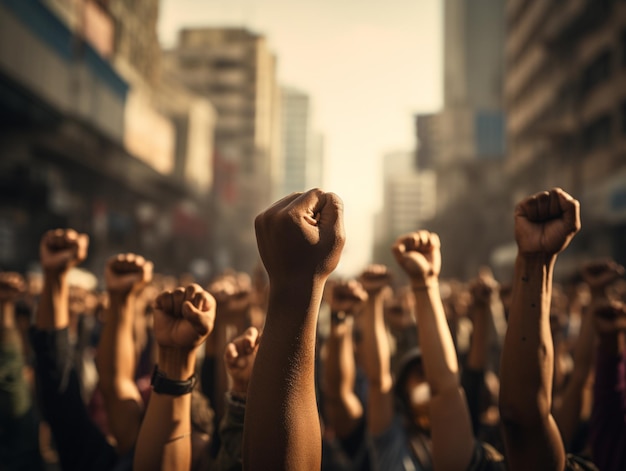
x=609, y=317
x=127, y=273
x=183, y=318
x=301, y=235
x=239, y=357
x=419, y=255
x=347, y=297
x=62, y=249
x=599, y=274
x=374, y=278
x=546, y=222
x=484, y=287
x=11, y=286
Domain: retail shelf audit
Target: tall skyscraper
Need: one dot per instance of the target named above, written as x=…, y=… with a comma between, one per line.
x=566, y=102
x=464, y=143
x=235, y=69
x=301, y=153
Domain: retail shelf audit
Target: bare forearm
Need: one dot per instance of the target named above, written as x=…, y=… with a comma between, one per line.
x=440, y=361
x=164, y=442
x=343, y=408
x=527, y=361
x=281, y=390
x=477, y=358
x=53, y=311
x=116, y=353
x=376, y=355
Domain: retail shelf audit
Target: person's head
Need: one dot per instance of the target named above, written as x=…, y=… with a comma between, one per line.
x=412, y=389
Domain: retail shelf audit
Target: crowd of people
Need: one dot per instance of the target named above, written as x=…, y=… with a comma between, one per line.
x=294, y=369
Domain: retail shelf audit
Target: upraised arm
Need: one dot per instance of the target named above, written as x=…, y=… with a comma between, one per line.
x=545, y=223
x=598, y=275
x=183, y=319
x=125, y=275
x=343, y=409
x=239, y=357
x=59, y=251
x=300, y=239
x=419, y=255
x=376, y=356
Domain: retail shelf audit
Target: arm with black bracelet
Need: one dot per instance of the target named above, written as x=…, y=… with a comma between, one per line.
x=183, y=319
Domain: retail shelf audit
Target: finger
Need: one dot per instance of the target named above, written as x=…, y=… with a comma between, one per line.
x=435, y=242
x=202, y=322
x=82, y=245
x=231, y=354
x=165, y=302
x=331, y=217
x=178, y=298
x=570, y=208
x=148, y=269
x=543, y=206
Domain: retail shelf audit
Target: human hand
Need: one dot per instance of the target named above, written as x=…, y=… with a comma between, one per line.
x=609, y=316
x=546, y=222
x=374, y=278
x=239, y=357
x=599, y=274
x=183, y=318
x=301, y=236
x=347, y=297
x=484, y=287
x=11, y=286
x=62, y=249
x=126, y=274
x=419, y=255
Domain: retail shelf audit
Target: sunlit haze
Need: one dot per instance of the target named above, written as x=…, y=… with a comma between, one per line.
x=368, y=66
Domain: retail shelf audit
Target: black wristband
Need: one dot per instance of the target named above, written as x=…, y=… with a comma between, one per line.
x=162, y=385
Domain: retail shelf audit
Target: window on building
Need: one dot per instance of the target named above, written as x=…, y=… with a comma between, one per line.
x=597, y=71
x=597, y=134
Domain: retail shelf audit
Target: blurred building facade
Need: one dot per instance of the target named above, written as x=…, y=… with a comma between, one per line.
x=464, y=143
x=236, y=71
x=300, y=165
x=409, y=202
x=565, y=94
x=71, y=153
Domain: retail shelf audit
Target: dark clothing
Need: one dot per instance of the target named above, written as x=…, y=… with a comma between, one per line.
x=608, y=420
x=19, y=439
x=79, y=443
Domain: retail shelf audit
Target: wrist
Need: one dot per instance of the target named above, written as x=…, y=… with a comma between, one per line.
x=176, y=364
x=424, y=284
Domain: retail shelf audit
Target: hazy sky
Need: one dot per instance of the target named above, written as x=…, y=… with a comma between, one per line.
x=368, y=66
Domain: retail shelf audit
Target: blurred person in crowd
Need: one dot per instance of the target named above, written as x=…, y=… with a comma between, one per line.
x=19, y=441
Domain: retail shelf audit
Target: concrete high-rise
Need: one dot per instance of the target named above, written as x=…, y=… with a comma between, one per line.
x=236, y=71
x=464, y=142
x=300, y=165
x=566, y=102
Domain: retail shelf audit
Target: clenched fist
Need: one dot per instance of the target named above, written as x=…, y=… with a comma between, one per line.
x=301, y=235
x=546, y=222
x=183, y=318
x=11, y=286
x=126, y=274
x=62, y=249
x=419, y=255
x=347, y=297
x=599, y=274
x=239, y=357
x=374, y=278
